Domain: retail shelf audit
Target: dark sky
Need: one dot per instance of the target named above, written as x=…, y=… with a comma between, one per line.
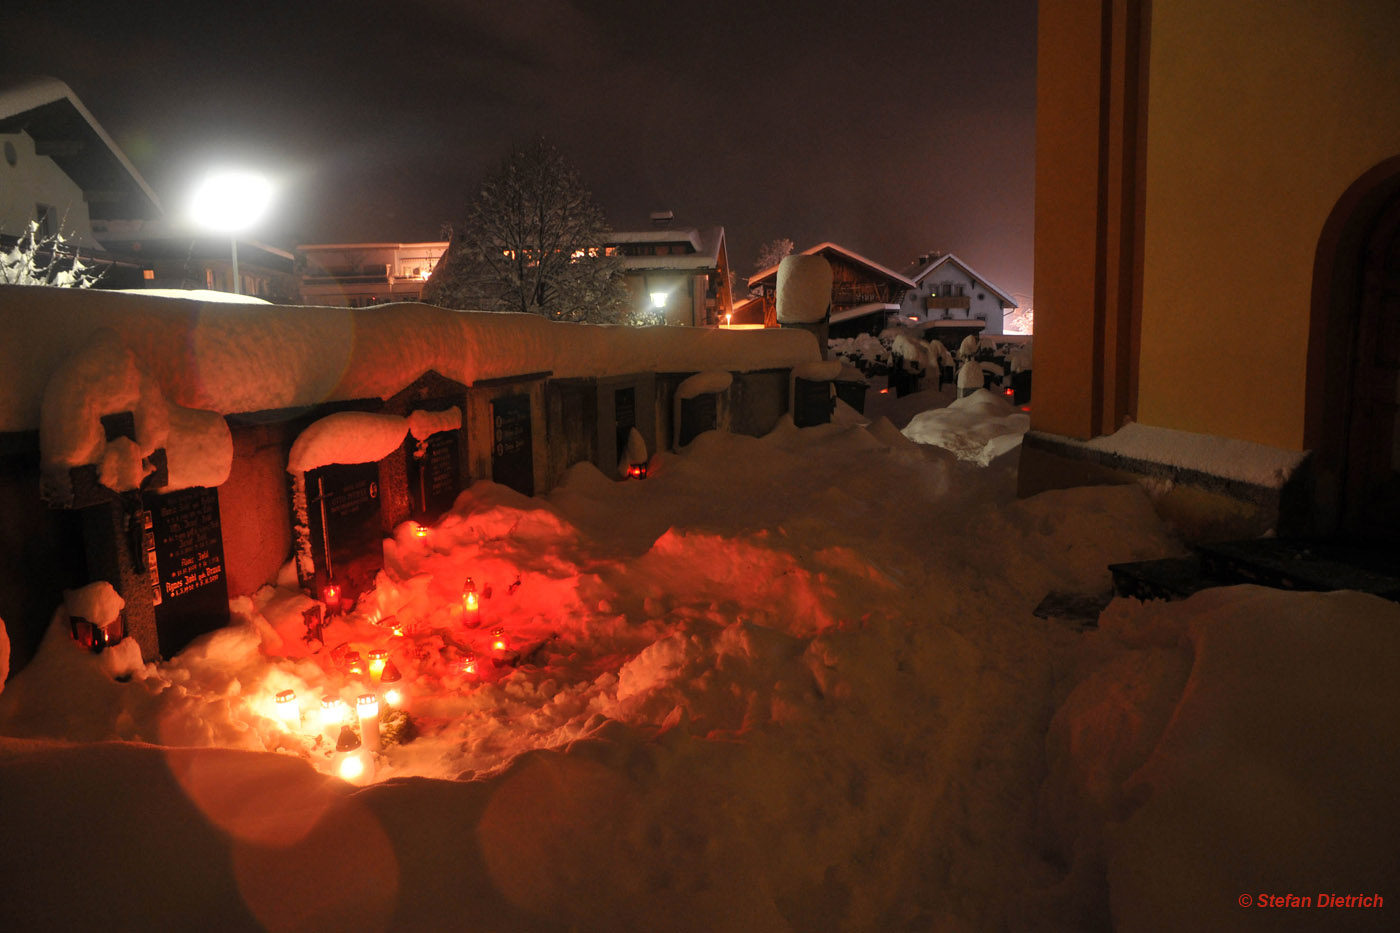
x=892, y=128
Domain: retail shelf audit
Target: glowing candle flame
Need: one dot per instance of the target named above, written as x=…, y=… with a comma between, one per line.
x=351, y=768
x=393, y=697
x=332, y=711
x=420, y=531
x=288, y=710
x=377, y=659
x=498, y=639
x=354, y=664
x=330, y=595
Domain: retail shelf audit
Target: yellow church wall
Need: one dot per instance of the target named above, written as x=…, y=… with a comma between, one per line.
x=1260, y=115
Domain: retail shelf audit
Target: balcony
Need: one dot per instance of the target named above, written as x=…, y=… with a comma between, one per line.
x=943, y=304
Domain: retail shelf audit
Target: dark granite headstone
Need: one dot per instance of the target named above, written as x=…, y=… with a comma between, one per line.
x=699, y=414
x=811, y=402
x=342, y=505
x=625, y=413
x=185, y=557
x=434, y=475
x=512, y=453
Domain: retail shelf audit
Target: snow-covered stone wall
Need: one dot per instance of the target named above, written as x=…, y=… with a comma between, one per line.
x=246, y=358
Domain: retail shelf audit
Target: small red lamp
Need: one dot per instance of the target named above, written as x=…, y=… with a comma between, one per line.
x=330, y=595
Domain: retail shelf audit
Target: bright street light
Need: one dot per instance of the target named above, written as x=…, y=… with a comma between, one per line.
x=231, y=202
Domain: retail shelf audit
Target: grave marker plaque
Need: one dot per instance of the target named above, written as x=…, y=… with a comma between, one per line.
x=811, y=402
x=434, y=475
x=512, y=453
x=698, y=415
x=625, y=413
x=185, y=557
x=342, y=506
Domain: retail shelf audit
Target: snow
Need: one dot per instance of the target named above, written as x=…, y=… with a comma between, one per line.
x=703, y=383
x=821, y=371
x=969, y=347
x=1225, y=457
x=198, y=449
x=233, y=358
x=970, y=375
x=195, y=294
x=636, y=447
x=979, y=427
x=98, y=603
x=99, y=379
x=807, y=693
x=346, y=437
x=804, y=289
x=424, y=424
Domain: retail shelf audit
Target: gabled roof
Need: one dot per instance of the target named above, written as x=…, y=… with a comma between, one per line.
x=707, y=243
x=63, y=129
x=855, y=257
x=933, y=264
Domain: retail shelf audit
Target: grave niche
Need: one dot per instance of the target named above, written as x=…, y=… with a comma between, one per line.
x=345, y=526
x=434, y=474
x=572, y=414
x=185, y=559
x=699, y=414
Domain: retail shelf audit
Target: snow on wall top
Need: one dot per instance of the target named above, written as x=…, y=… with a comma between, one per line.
x=1218, y=456
x=242, y=358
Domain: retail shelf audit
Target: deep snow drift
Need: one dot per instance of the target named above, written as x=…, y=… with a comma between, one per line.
x=789, y=682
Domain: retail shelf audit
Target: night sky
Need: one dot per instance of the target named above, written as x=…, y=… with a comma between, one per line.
x=892, y=128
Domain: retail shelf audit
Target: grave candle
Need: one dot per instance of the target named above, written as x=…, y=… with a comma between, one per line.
x=354, y=664
x=368, y=707
x=498, y=640
x=332, y=714
x=390, y=681
x=377, y=659
x=469, y=664
x=288, y=710
x=352, y=763
x=330, y=595
x=471, y=604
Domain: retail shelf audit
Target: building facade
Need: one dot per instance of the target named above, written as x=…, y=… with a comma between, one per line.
x=355, y=275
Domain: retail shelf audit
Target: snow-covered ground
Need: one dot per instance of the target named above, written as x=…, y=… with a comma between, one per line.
x=783, y=683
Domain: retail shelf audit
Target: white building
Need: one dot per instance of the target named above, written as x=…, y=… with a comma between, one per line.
x=947, y=289
x=354, y=275
x=682, y=272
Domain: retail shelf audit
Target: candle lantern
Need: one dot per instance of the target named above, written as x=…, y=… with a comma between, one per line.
x=367, y=705
x=332, y=714
x=330, y=595
x=469, y=664
x=471, y=603
x=637, y=471
x=420, y=531
x=288, y=709
x=392, y=683
x=498, y=639
x=354, y=664
x=377, y=659
x=352, y=762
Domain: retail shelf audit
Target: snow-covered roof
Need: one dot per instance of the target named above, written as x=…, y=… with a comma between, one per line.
x=861, y=311
x=234, y=358
x=928, y=268
x=706, y=241
x=49, y=112
x=841, y=250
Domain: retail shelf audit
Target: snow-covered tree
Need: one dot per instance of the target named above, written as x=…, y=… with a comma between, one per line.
x=772, y=253
x=45, y=260
x=533, y=241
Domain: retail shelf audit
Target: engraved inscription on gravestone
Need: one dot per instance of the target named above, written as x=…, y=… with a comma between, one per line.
x=343, y=514
x=512, y=454
x=811, y=404
x=625, y=411
x=698, y=415
x=185, y=554
x=433, y=475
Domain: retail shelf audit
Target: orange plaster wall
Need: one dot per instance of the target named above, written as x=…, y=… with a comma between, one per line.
x=1261, y=115
x=1066, y=192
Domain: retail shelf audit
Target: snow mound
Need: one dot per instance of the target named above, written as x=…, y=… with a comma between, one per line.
x=346, y=437
x=979, y=427
x=1226, y=457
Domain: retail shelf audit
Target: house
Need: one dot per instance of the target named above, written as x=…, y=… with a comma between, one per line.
x=947, y=289
x=681, y=272
x=864, y=294
x=167, y=256
x=60, y=169
x=354, y=275
x=1217, y=239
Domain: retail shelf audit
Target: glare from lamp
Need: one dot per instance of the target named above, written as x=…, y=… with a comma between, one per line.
x=230, y=201
x=658, y=299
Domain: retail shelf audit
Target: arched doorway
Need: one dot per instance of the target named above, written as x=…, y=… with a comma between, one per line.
x=1353, y=415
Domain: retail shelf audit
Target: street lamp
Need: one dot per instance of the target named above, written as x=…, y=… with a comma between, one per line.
x=230, y=202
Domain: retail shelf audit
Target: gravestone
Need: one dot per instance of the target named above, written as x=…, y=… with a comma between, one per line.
x=185, y=559
x=434, y=474
x=758, y=400
x=698, y=415
x=811, y=402
x=512, y=452
x=343, y=515
x=625, y=416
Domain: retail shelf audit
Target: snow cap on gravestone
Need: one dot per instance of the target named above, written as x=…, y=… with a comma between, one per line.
x=804, y=289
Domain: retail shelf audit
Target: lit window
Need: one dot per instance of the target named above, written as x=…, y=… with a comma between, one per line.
x=148, y=274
